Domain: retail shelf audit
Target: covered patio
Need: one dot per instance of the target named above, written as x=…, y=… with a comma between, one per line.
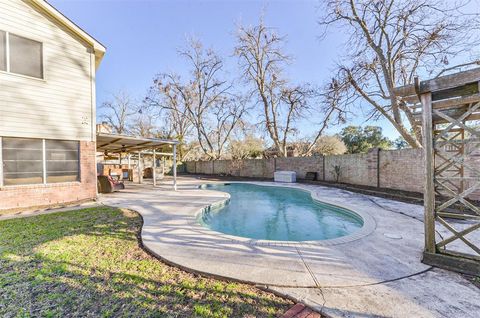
x=136, y=148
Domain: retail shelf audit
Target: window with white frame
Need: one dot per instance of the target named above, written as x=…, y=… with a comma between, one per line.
x=21, y=55
x=37, y=161
x=3, y=51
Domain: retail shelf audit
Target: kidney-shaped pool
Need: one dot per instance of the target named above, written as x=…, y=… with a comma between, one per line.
x=278, y=214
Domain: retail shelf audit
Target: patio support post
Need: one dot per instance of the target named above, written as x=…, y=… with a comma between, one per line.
x=154, y=168
x=174, y=167
x=140, y=167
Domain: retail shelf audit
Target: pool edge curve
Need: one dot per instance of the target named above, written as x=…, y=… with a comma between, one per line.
x=368, y=227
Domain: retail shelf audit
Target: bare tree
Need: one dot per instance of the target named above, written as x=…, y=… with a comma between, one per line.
x=205, y=101
x=143, y=125
x=119, y=111
x=282, y=104
x=391, y=42
x=169, y=107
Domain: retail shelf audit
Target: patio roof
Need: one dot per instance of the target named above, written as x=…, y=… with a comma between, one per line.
x=123, y=143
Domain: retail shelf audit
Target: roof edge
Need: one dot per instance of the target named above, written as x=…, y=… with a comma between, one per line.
x=139, y=138
x=98, y=48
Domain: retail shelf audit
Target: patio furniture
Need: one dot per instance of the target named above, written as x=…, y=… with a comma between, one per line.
x=285, y=176
x=115, y=176
x=127, y=174
x=106, y=184
x=148, y=173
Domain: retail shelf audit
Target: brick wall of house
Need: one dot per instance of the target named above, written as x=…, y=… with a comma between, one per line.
x=12, y=197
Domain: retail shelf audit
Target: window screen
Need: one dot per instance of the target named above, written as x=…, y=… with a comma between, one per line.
x=22, y=161
x=3, y=51
x=62, y=160
x=25, y=56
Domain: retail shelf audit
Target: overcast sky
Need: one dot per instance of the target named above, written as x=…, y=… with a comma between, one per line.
x=142, y=38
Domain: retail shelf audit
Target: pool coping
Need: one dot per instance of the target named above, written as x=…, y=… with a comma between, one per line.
x=368, y=227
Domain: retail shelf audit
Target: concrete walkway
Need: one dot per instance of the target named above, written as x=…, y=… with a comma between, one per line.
x=376, y=275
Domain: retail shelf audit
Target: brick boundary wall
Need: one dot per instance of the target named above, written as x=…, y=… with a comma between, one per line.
x=392, y=169
x=397, y=169
x=23, y=196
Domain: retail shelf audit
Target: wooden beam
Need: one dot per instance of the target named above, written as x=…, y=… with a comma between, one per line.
x=411, y=99
x=139, y=146
x=456, y=102
x=439, y=120
x=429, y=195
x=463, y=90
x=406, y=91
x=459, y=235
x=441, y=83
x=461, y=216
x=109, y=143
x=453, y=263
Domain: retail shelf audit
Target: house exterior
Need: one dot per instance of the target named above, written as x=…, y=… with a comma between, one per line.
x=47, y=106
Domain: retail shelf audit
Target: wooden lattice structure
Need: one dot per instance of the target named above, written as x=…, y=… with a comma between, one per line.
x=449, y=109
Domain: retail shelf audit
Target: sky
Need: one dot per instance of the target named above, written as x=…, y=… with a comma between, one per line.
x=142, y=39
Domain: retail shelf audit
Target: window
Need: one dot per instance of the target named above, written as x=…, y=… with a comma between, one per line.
x=23, y=161
x=21, y=55
x=62, y=161
x=3, y=51
x=25, y=56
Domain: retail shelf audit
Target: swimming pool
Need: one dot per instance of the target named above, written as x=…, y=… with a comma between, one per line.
x=278, y=214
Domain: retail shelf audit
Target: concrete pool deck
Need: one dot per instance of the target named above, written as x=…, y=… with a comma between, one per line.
x=378, y=274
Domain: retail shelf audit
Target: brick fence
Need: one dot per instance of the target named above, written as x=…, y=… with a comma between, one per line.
x=393, y=169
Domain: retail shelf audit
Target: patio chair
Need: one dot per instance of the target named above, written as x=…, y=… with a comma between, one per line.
x=106, y=184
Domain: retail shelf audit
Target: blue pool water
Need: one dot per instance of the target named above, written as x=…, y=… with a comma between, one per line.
x=277, y=213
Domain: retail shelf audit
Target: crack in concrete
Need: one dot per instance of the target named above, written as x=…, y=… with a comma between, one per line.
x=401, y=213
x=315, y=280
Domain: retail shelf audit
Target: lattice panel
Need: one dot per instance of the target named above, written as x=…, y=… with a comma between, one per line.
x=457, y=178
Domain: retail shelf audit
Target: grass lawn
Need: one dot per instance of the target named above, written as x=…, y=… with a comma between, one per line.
x=88, y=263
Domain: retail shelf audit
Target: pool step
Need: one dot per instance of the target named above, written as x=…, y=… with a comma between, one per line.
x=300, y=311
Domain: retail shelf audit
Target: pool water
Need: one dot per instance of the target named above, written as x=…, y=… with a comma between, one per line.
x=277, y=213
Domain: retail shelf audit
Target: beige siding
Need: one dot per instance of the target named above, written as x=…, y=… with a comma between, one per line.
x=61, y=106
